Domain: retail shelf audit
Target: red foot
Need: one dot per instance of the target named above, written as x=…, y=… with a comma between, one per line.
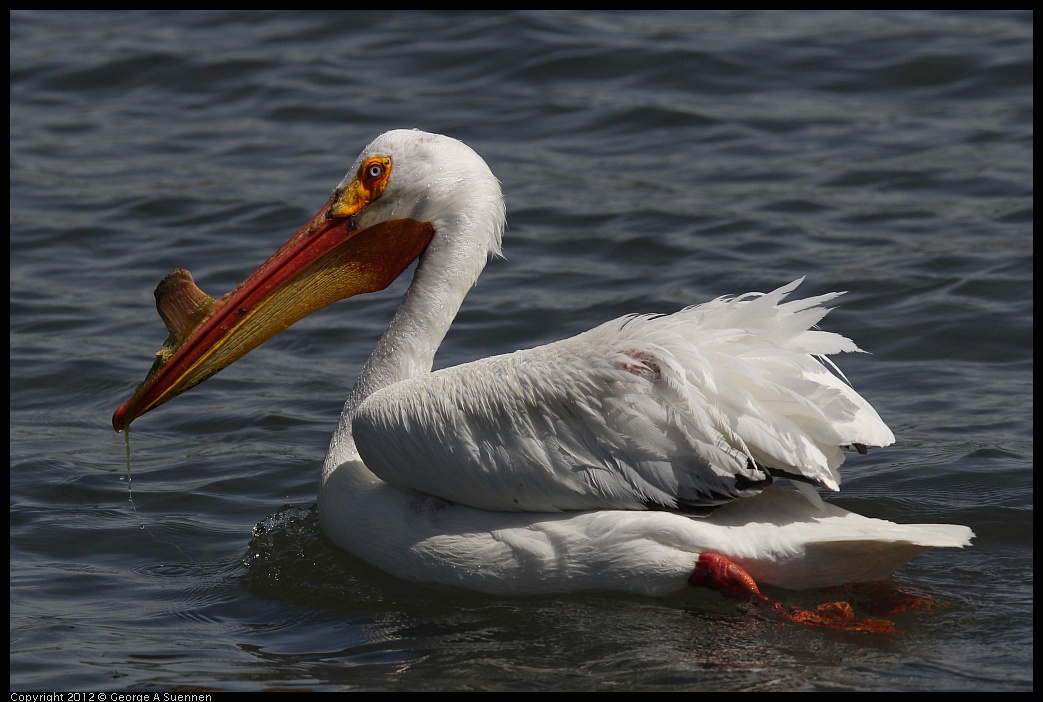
x=885, y=599
x=714, y=571
x=717, y=572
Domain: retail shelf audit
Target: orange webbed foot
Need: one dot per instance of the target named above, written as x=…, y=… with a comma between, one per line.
x=723, y=575
x=884, y=599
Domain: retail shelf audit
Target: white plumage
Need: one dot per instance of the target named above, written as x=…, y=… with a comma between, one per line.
x=674, y=411
x=638, y=414
x=575, y=465
x=778, y=537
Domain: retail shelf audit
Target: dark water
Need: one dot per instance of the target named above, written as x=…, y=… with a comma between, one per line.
x=649, y=161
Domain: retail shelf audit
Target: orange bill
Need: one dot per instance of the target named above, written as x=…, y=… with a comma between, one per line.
x=328, y=260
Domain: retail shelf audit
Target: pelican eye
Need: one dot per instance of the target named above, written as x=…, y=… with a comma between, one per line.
x=373, y=174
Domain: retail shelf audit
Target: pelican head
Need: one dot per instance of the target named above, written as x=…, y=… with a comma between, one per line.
x=409, y=192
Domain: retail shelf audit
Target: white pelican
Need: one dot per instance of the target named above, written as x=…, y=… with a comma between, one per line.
x=638, y=456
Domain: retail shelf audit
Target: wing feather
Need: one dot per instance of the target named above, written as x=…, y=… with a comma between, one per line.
x=692, y=409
